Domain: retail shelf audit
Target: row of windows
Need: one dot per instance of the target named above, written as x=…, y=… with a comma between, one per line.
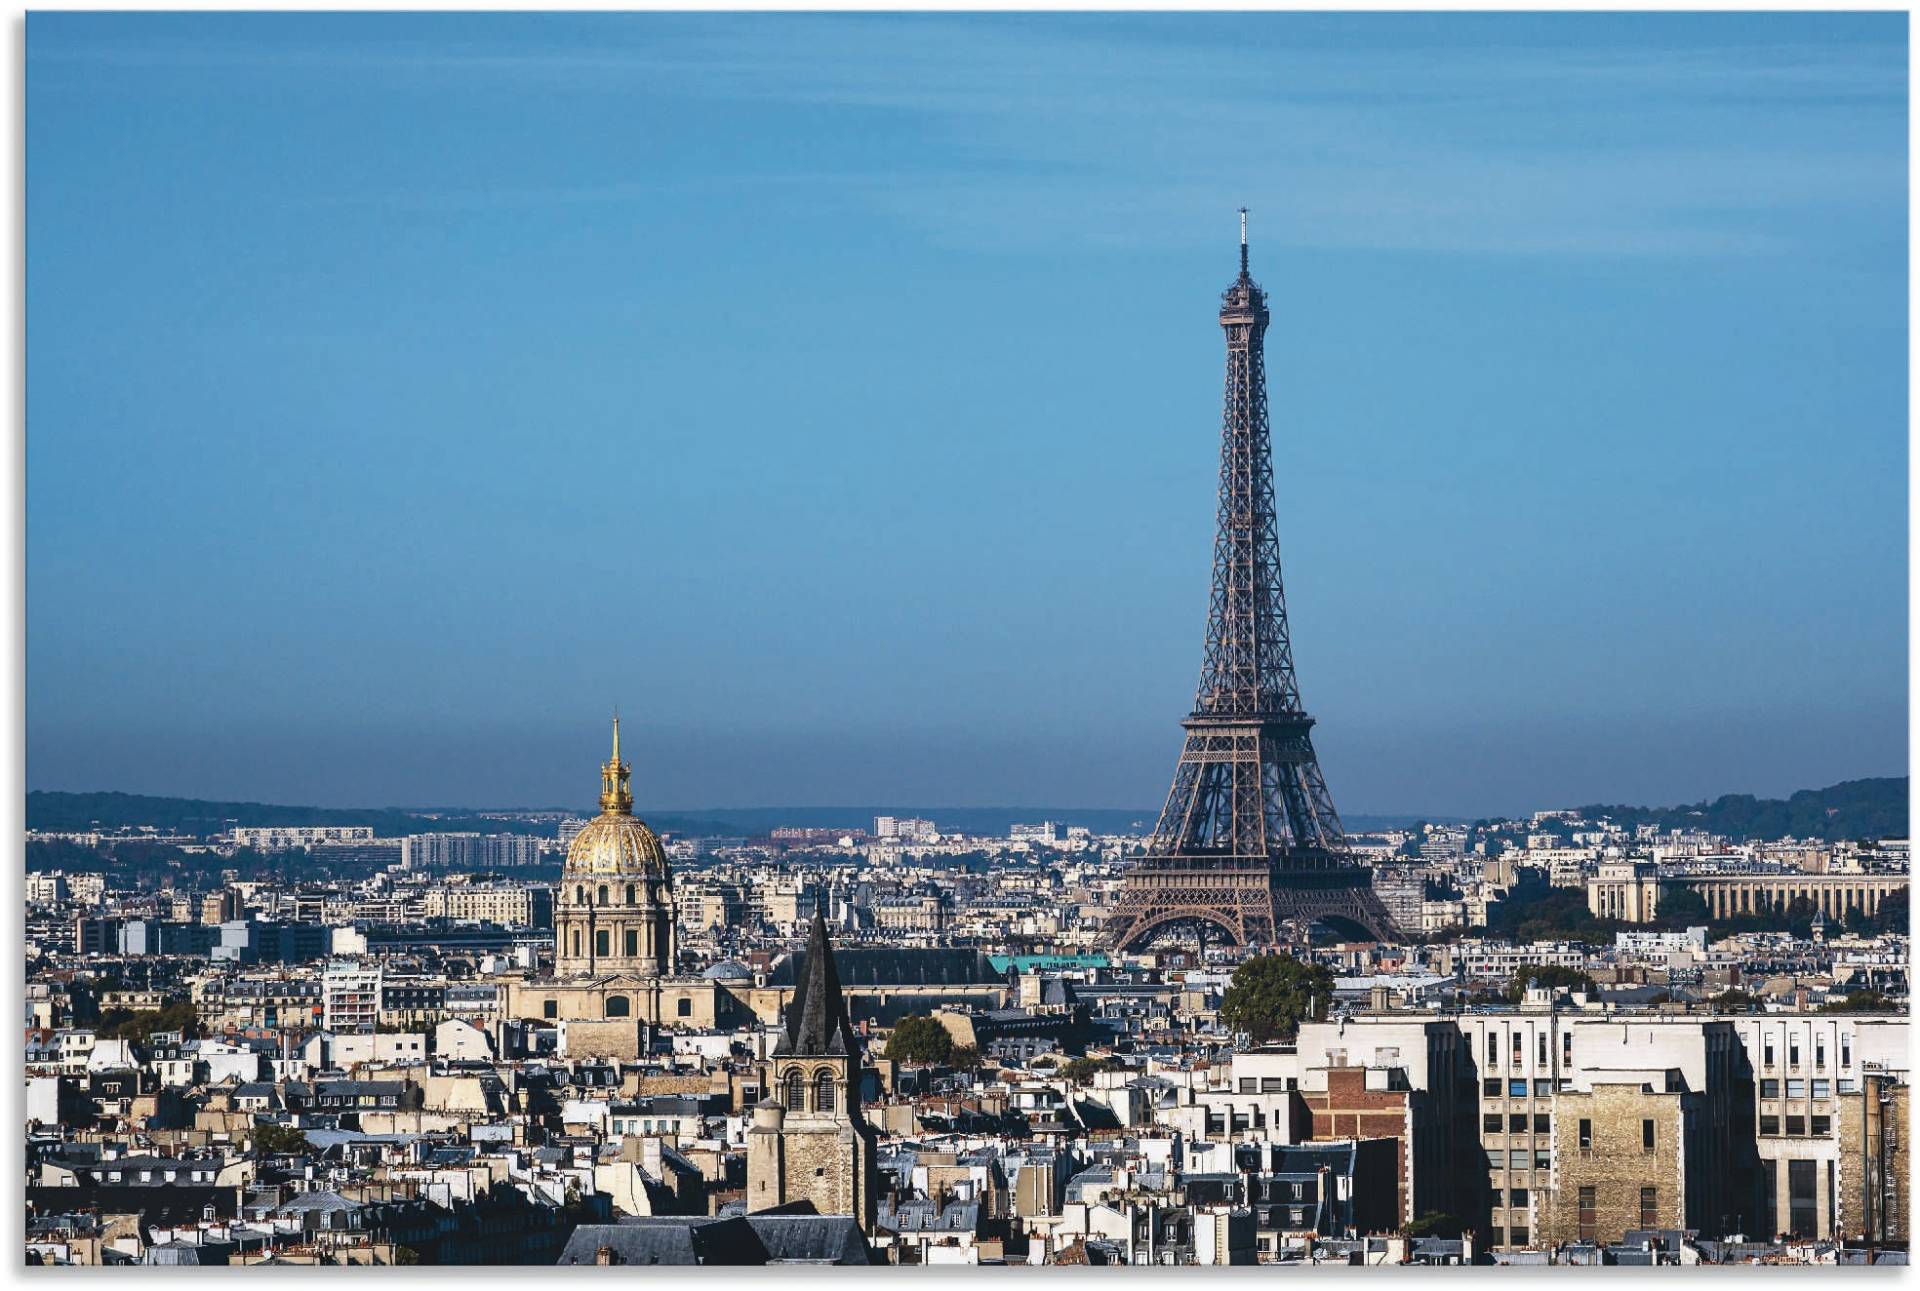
x=1520, y=1048
x=1589, y=1213
x=1646, y=1135
x=824, y=1091
x=1265, y=1084
x=619, y=1006
x=1819, y=1051
x=580, y=894
x=1521, y=1159
x=1797, y=1088
x=1494, y=1087
x=1516, y=1123
x=1797, y=1126
x=603, y=941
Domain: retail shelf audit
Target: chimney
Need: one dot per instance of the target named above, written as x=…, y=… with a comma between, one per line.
x=1381, y=999
x=605, y=1256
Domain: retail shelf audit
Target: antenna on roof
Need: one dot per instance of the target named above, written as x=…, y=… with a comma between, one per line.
x=1243, y=242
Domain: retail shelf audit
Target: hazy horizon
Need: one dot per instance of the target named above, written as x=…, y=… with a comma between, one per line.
x=838, y=395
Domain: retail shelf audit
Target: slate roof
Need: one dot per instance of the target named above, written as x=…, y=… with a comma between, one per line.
x=817, y=1024
x=713, y=1240
x=896, y=966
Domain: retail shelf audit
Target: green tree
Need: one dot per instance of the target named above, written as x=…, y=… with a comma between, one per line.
x=128, y=1024
x=271, y=1140
x=1436, y=1224
x=918, y=1038
x=1082, y=1070
x=1271, y=995
x=1891, y=915
x=1551, y=976
x=1732, y=999
x=1861, y=1002
x=1682, y=908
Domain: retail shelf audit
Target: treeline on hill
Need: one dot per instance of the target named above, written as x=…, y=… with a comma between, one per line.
x=1853, y=809
x=59, y=812
x=55, y=811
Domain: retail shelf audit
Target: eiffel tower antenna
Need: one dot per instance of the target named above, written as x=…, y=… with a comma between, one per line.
x=1248, y=841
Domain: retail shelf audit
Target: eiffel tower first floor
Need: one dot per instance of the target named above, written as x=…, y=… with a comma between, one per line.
x=1241, y=902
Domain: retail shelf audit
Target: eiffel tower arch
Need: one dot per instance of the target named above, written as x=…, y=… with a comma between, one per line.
x=1248, y=849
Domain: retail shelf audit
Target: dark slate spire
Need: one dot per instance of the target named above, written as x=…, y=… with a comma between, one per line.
x=817, y=1024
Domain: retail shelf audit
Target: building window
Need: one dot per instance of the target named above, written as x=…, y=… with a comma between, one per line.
x=618, y=1006
x=1490, y=1087
x=684, y=1007
x=1802, y=1208
x=1796, y=1126
x=602, y=942
x=1649, y=1207
x=1493, y=1050
x=1517, y=1199
x=1543, y=1049
x=1517, y=1158
x=1822, y=1087
x=1770, y=1087
x=1846, y=1051
x=1822, y=1126
x=1519, y=1047
x=1820, y=1053
x=576, y=941
x=1767, y=1052
x=1516, y=1089
x=823, y=1091
x=1542, y=1088
x=633, y=942
x=1589, y=1216
x=630, y=894
x=796, y=1091
x=1769, y=1126
x=1586, y=1137
x=580, y=894
x=1542, y=1123
x=1490, y=1123
x=1796, y=1088
x=1543, y=1158
x=1566, y=1048
x=1793, y=1051
x=550, y=1009
x=1249, y=1085
x=1517, y=1123
x=1646, y=1136
x=1273, y=1085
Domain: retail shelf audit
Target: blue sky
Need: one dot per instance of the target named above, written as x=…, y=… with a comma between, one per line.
x=839, y=396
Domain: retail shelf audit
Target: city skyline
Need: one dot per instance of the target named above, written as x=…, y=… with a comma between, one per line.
x=419, y=452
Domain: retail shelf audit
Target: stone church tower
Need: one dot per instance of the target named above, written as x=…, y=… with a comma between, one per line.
x=809, y=1141
x=613, y=911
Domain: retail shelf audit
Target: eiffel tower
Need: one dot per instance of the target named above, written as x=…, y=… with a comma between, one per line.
x=1248, y=849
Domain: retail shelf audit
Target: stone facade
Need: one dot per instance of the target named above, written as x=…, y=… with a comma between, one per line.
x=1620, y=1154
x=1872, y=1200
x=810, y=1141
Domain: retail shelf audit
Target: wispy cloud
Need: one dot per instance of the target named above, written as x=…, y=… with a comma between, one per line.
x=1040, y=129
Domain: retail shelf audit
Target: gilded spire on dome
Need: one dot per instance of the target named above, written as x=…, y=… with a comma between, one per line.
x=616, y=799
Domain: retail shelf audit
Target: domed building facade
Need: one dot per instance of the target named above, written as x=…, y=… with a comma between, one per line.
x=613, y=911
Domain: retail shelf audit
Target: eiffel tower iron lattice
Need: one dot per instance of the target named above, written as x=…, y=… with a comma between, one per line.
x=1248, y=846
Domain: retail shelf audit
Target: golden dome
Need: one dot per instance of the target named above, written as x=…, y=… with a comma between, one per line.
x=616, y=842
